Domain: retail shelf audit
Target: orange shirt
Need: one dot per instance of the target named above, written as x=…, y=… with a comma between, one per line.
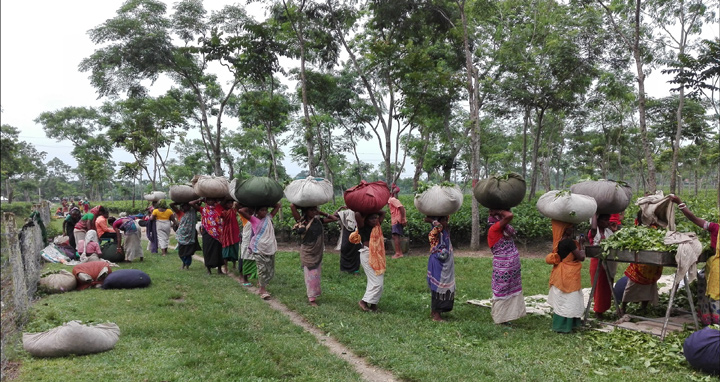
x=396, y=216
x=101, y=226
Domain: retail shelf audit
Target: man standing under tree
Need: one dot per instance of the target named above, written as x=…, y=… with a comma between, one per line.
x=397, y=219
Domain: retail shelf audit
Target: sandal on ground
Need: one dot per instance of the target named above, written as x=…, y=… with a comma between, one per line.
x=265, y=296
x=247, y=284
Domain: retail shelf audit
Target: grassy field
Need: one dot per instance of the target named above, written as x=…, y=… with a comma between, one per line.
x=189, y=326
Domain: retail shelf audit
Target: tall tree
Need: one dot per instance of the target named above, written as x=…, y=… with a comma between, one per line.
x=92, y=149
x=21, y=163
x=626, y=20
x=678, y=21
x=549, y=63
x=141, y=43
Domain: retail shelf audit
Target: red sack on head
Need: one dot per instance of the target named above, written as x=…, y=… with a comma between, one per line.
x=367, y=198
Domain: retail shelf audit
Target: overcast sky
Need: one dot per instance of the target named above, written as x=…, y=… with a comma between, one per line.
x=41, y=45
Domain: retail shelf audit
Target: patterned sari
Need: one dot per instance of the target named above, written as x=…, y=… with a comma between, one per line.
x=508, y=300
x=441, y=270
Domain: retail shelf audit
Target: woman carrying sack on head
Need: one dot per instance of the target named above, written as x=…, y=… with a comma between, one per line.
x=372, y=257
x=164, y=220
x=312, y=246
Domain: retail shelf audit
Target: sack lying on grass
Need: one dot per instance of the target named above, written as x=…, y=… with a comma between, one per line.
x=155, y=196
x=611, y=197
x=61, y=240
x=182, y=193
x=439, y=200
x=62, y=281
x=72, y=338
x=500, y=192
x=215, y=187
x=566, y=206
x=367, y=198
x=126, y=279
x=309, y=192
x=258, y=191
x=702, y=350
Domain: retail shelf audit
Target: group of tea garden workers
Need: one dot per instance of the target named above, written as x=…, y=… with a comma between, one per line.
x=639, y=284
x=362, y=243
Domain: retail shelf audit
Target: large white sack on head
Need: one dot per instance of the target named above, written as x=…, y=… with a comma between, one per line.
x=309, y=192
x=182, y=193
x=566, y=206
x=611, y=197
x=439, y=201
x=62, y=281
x=155, y=196
x=72, y=338
x=215, y=187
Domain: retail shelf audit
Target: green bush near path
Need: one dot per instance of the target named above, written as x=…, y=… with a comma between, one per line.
x=188, y=326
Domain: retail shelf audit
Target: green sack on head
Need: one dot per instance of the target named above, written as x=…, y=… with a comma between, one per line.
x=500, y=192
x=258, y=191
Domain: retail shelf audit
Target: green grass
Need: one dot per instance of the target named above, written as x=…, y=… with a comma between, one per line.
x=187, y=326
x=470, y=346
x=190, y=326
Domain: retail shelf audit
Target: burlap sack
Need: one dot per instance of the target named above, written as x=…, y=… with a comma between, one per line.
x=500, y=192
x=182, y=193
x=215, y=187
x=566, y=206
x=439, y=201
x=72, y=338
x=60, y=282
x=155, y=196
x=309, y=192
x=611, y=197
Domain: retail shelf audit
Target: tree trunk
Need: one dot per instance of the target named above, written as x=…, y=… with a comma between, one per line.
x=471, y=85
x=637, y=54
x=536, y=149
x=309, y=143
x=676, y=142
x=526, y=124
x=420, y=161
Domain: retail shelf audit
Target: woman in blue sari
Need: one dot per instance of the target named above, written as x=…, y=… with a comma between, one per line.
x=441, y=268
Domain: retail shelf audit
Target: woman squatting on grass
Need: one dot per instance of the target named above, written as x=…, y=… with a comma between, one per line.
x=441, y=268
x=263, y=244
x=372, y=257
x=312, y=245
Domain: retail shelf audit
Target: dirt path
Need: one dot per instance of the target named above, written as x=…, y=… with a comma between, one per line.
x=368, y=372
